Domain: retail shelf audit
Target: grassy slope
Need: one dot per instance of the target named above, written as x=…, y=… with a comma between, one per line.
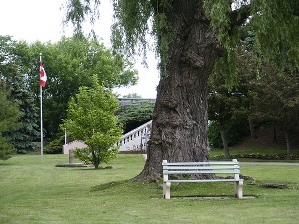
x=33, y=190
x=264, y=144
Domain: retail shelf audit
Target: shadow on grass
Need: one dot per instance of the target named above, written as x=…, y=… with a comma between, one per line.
x=89, y=168
x=110, y=185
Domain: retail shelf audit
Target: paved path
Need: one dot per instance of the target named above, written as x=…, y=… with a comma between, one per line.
x=271, y=163
x=256, y=163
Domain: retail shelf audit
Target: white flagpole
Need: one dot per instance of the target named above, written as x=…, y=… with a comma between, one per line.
x=41, y=116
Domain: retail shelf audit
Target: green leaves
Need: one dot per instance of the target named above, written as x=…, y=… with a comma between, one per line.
x=9, y=115
x=91, y=119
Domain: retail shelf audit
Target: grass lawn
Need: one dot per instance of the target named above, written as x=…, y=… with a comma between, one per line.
x=216, y=152
x=33, y=190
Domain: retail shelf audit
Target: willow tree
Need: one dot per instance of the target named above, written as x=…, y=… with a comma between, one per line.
x=191, y=37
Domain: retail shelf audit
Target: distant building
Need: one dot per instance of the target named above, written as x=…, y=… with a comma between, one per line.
x=133, y=101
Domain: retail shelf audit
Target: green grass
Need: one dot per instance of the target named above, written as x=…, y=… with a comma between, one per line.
x=33, y=190
x=214, y=153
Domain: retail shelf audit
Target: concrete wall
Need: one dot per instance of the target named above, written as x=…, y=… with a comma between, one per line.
x=73, y=145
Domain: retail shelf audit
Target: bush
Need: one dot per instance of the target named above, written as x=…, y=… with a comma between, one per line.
x=262, y=156
x=55, y=146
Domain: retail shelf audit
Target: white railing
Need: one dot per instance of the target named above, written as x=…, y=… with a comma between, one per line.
x=136, y=139
x=133, y=140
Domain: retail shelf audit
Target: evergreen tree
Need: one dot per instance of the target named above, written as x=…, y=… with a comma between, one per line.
x=9, y=114
x=28, y=132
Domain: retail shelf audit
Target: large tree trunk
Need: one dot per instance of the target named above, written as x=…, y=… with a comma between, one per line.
x=180, y=117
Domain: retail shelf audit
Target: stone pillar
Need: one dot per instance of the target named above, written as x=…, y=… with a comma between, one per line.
x=71, y=157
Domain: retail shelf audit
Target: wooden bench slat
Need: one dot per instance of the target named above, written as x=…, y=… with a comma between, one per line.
x=201, y=163
x=199, y=167
x=204, y=180
x=199, y=171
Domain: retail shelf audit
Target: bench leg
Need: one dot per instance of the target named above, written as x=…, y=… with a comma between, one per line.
x=239, y=189
x=166, y=190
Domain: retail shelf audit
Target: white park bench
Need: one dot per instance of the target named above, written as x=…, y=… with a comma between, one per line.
x=180, y=169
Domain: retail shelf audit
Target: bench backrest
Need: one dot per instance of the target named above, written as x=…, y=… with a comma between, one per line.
x=226, y=167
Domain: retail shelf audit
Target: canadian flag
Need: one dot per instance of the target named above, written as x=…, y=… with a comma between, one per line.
x=43, y=75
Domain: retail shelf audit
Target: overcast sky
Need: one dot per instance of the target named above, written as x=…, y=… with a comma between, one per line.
x=33, y=20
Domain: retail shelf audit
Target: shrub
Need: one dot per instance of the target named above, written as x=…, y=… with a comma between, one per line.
x=55, y=146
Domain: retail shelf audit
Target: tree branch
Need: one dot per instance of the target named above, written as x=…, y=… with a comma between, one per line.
x=239, y=16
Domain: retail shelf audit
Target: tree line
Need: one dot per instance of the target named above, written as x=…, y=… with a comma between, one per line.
x=70, y=64
x=263, y=96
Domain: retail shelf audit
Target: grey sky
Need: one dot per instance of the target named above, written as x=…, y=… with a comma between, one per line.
x=33, y=20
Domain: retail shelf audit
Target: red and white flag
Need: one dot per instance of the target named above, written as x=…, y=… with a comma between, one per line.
x=43, y=75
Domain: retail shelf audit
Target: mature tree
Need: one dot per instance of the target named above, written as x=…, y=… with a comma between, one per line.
x=191, y=35
x=223, y=104
x=70, y=63
x=277, y=101
x=91, y=119
x=28, y=132
x=9, y=115
x=10, y=71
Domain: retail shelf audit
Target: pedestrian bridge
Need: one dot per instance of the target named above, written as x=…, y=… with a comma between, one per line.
x=132, y=141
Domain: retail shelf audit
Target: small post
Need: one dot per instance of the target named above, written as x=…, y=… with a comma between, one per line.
x=166, y=185
x=71, y=157
x=238, y=183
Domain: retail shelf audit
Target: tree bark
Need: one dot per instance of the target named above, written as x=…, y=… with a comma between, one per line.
x=274, y=134
x=286, y=135
x=252, y=129
x=179, y=128
x=224, y=139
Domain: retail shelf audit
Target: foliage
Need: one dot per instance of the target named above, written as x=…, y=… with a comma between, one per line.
x=226, y=106
x=274, y=24
x=6, y=149
x=142, y=111
x=272, y=94
x=69, y=63
x=55, y=146
x=23, y=137
x=9, y=115
x=236, y=130
x=262, y=156
x=277, y=24
x=91, y=119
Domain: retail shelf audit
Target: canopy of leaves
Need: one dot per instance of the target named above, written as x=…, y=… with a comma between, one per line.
x=274, y=22
x=69, y=64
x=9, y=115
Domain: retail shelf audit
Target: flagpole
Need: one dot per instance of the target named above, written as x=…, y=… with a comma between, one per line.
x=41, y=116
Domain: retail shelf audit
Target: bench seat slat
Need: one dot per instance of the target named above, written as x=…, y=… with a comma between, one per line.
x=198, y=171
x=199, y=167
x=204, y=180
x=201, y=163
